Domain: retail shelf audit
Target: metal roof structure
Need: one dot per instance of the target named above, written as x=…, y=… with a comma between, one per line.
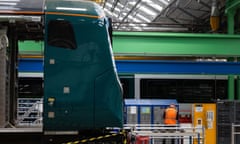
x=162, y=15
x=133, y=15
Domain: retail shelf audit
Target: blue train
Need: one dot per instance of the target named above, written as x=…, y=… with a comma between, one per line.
x=82, y=91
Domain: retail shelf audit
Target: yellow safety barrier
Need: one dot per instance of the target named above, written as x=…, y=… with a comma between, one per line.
x=99, y=138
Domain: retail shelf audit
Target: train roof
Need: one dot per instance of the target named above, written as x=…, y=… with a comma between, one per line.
x=26, y=7
x=28, y=15
x=38, y=7
x=86, y=8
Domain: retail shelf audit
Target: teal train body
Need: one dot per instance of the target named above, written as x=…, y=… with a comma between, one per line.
x=81, y=87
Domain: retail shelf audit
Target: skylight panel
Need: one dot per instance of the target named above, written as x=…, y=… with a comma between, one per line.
x=137, y=28
x=132, y=2
x=107, y=11
x=110, y=13
x=147, y=1
x=134, y=19
x=143, y=18
x=163, y=1
x=120, y=5
x=115, y=15
x=108, y=4
x=148, y=11
x=156, y=6
x=117, y=9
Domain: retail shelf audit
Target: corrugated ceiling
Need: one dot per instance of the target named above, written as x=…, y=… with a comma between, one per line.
x=161, y=15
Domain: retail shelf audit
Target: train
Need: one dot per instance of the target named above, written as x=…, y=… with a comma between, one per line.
x=82, y=91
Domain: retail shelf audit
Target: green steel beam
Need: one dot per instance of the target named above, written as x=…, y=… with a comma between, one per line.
x=231, y=86
x=231, y=7
x=31, y=47
x=175, y=44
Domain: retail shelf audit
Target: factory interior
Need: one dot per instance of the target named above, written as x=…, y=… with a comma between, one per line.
x=130, y=60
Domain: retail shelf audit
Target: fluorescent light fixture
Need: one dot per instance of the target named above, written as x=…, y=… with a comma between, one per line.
x=120, y=18
x=120, y=5
x=108, y=5
x=132, y=24
x=137, y=28
x=130, y=17
x=156, y=6
x=147, y=1
x=148, y=11
x=143, y=24
x=132, y=2
x=110, y=13
x=71, y=8
x=117, y=9
x=9, y=0
x=8, y=8
x=143, y=18
x=107, y=11
x=134, y=19
x=163, y=1
x=8, y=3
x=115, y=15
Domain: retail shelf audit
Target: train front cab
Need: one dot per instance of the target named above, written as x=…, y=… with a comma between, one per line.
x=81, y=89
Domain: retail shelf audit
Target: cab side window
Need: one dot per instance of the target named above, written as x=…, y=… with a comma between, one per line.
x=61, y=34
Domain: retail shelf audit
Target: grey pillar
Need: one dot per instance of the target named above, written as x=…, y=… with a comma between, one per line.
x=3, y=76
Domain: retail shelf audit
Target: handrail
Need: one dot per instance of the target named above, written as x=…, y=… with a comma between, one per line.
x=161, y=131
x=234, y=132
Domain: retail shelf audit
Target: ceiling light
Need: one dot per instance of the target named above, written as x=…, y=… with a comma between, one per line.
x=107, y=11
x=156, y=6
x=132, y=2
x=143, y=24
x=117, y=9
x=134, y=19
x=71, y=8
x=115, y=15
x=143, y=18
x=148, y=11
x=147, y=1
x=120, y=5
x=137, y=28
x=132, y=24
x=108, y=4
x=163, y=1
x=9, y=0
x=8, y=3
x=8, y=8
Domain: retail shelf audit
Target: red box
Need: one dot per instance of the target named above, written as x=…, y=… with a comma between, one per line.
x=142, y=140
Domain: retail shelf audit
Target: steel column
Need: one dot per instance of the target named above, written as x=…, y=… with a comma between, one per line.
x=231, y=7
x=13, y=87
x=2, y=80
